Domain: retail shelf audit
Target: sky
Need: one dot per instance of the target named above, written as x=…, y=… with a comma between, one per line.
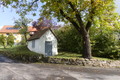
x=8, y=15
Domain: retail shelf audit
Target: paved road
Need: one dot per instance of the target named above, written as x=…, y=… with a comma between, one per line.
x=13, y=70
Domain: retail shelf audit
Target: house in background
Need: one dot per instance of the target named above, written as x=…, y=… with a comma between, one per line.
x=44, y=42
x=32, y=31
x=9, y=29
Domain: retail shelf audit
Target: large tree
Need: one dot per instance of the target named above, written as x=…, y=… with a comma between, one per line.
x=22, y=23
x=80, y=13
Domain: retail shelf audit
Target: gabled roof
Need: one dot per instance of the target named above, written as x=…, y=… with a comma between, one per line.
x=39, y=33
x=10, y=29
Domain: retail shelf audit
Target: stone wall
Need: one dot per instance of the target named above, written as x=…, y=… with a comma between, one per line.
x=23, y=57
x=80, y=61
x=86, y=62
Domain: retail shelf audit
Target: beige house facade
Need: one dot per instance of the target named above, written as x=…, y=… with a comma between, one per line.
x=7, y=29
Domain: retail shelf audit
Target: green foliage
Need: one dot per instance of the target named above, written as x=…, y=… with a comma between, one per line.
x=105, y=42
x=10, y=39
x=81, y=13
x=3, y=40
x=69, y=39
x=22, y=23
x=23, y=41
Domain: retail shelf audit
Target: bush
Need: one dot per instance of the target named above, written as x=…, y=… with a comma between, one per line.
x=106, y=45
x=3, y=40
x=23, y=41
x=69, y=39
x=104, y=41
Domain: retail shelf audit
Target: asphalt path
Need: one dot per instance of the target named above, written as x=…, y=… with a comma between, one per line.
x=14, y=70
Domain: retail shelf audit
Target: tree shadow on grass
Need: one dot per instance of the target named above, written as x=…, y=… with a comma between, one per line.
x=69, y=54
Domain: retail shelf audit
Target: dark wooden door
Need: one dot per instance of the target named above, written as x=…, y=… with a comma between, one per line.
x=48, y=48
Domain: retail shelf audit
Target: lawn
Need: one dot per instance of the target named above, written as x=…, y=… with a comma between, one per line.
x=20, y=53
x=20, y=49
x=75, y=55
x=68, y=55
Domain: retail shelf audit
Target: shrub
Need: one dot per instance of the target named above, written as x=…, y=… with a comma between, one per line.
x=106, y=45
x=69, y=39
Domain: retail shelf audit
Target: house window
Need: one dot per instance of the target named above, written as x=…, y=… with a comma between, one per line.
x=7, y=34
x=33, y=44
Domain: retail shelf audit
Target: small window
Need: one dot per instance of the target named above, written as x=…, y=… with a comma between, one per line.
x=33, y=44
x=7, y=34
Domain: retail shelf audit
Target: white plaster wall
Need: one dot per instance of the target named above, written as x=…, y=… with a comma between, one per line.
x=40, y=43
x=36, y=48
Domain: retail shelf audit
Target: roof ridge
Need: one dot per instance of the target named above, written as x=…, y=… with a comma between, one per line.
x=40, y=32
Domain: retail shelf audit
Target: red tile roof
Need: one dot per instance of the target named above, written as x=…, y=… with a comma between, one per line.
x=33, y=30
x=4, y=30
x=30, y=28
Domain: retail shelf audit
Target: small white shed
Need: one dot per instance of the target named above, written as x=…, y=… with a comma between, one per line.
x=43, y=42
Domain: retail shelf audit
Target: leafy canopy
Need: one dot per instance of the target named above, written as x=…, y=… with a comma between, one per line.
x=22, y=23
x=53, y=7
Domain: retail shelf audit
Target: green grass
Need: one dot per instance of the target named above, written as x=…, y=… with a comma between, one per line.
x=21, y=49
x=101, y=58
x=75, y=55
x=68, y=55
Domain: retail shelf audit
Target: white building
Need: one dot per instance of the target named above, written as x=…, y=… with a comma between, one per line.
x=44, y=42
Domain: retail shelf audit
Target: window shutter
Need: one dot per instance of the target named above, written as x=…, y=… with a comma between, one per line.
x=33, y=44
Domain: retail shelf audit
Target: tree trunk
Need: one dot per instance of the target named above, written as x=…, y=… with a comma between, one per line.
x=4, y=46
x=25, y=38
x=86, y=45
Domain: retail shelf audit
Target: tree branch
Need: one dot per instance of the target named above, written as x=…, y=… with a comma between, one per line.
x=89, y=23
x=77, y=16
x=32, y=3
x=71, y=20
